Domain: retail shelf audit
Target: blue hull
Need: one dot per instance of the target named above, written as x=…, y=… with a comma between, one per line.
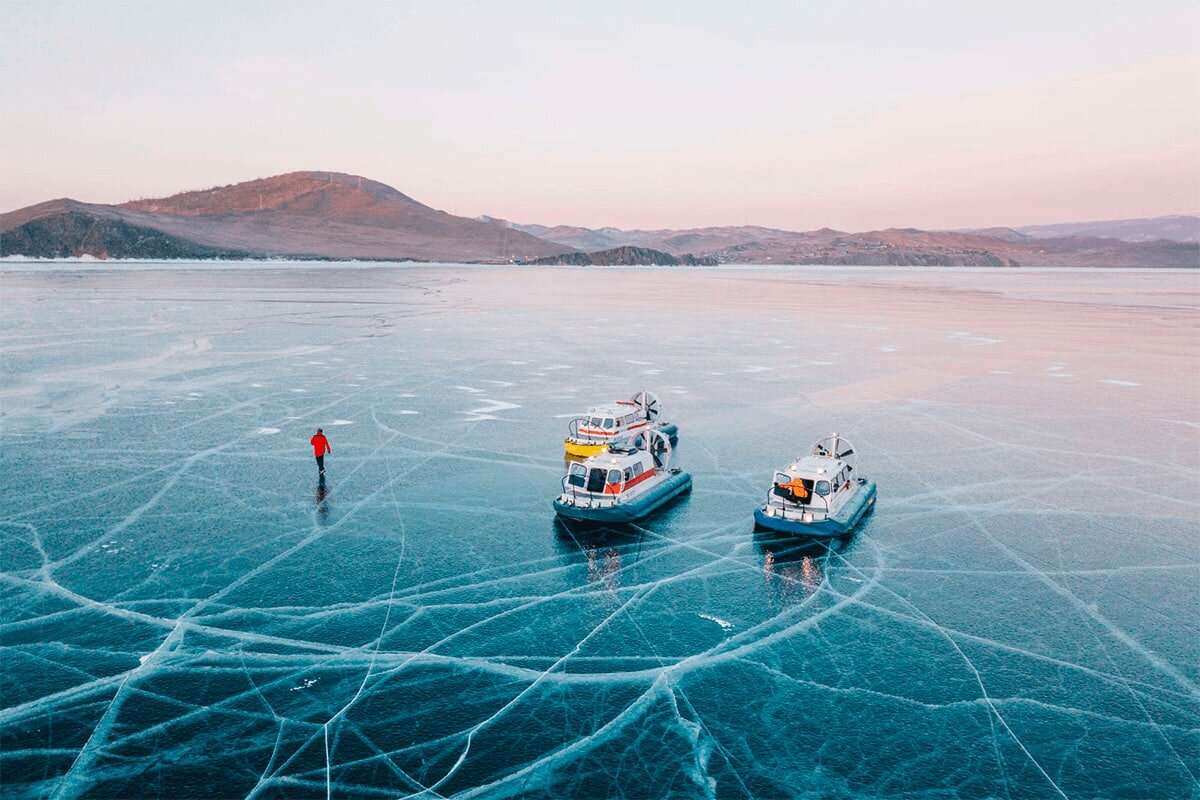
x=671, y=488
x=839, y=524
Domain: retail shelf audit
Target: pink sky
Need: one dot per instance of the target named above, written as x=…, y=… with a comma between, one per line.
x=859, y=116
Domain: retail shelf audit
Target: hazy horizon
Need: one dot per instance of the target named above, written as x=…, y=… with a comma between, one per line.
x=931, y=116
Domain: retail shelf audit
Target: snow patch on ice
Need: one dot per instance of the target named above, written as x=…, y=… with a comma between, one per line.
x=725, y=624
x=488, y=411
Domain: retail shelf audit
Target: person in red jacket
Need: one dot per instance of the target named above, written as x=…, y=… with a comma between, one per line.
x=320, y=448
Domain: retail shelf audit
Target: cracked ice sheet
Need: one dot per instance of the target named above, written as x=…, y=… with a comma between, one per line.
x=185, y=612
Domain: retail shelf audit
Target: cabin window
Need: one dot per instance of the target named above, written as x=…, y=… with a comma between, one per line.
x=608, y=423
x=637, y=469
x=628, y=473
x=595, y=422
x=577, y=475
x=595, y=481
x=614, y=476
x=822, y=488
x=630, y=419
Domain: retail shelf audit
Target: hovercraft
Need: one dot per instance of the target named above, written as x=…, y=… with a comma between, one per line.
x=627, y=482
x=818, y=494
x=603, y=425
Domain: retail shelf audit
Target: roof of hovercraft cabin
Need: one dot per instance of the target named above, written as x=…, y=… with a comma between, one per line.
x=811, y=466
x=618, y=409
x=615, y=458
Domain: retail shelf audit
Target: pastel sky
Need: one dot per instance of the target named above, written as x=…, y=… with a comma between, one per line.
x=856, y=115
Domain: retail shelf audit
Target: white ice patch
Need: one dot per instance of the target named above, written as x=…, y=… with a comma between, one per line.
x=725, y=624
x=757, y=368
x=305, y=684
x=342, y=422
x=889, y=348
x=1118, y=382
x=1002, y=372
x=470, y=389
x=642, y=363
x=407, y=411
x=974, y=339
x=266, y=431
x=488, y=411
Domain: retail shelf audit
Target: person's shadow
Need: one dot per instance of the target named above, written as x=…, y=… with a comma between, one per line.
x=322, y=501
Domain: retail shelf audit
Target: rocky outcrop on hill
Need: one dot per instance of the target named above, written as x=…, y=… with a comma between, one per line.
x=76, y=233
x=626, y=256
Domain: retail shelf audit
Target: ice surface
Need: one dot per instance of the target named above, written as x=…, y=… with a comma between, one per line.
x=187, y=612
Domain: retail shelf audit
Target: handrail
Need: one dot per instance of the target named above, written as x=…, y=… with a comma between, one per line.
x=783, y=504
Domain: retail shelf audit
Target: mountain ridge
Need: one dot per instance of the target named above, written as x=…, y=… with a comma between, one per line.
x=334, y=215
x=891, y=246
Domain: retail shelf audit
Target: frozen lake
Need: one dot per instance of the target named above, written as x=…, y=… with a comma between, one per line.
x=186, y=613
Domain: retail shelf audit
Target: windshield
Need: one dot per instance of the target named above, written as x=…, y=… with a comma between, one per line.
x=575, y=476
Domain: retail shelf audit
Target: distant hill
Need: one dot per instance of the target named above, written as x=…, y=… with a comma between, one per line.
x=674, y=241
x=301, y=214
x=626, y=256
x=994, y=247
x=1176, y=228
x=332, y=215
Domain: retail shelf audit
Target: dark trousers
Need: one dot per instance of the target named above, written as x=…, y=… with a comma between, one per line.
x=321, y=463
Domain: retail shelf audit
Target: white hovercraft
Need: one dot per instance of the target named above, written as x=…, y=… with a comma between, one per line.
x=625, y=483
x=818, y=494
x=602, y=425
